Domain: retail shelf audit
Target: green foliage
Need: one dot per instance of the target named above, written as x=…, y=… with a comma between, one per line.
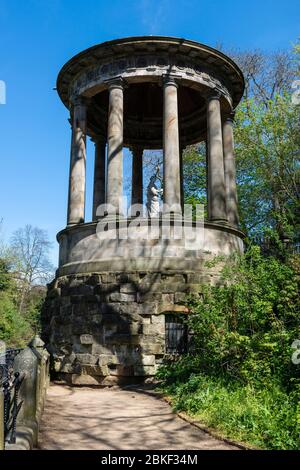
x=15, y=330
x=265, y=418
x=267, y=142
x=239, y=375
x=194, y=174
x=267, y=156
x=16, y=327
x=4, y=275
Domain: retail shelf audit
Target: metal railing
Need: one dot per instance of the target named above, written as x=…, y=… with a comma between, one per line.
x=10, y=383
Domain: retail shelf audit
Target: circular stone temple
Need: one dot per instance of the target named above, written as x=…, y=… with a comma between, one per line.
x=115, y=308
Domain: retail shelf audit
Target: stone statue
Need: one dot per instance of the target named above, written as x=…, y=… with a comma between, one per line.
x=153, y=195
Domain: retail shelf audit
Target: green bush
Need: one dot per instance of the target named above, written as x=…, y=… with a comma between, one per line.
x=239, y=376
x=16, y=327
x=15, y=330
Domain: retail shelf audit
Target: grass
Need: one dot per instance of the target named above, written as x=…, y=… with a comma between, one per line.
x=266, y=418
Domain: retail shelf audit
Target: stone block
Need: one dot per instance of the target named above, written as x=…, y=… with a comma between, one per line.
x=154, y=329
x=146, y=320
x=131, y=310
x=66, y=368
x=123, y=339
x=109, y=331
x=111, y=319
x=85, y=379
x=121, y=297
x=149, y=297
x=62, y=319
x=95, y=370
x=65, y=300
x=165, y=308
x=97, y=318
x=158, y=319
x=122, y=278
x=110, y=308
x=82, y=348
x=106, y=288
x=66, y=310
x=167, y=298
x=99, y=349
x=140, y=370
x=125, y=371
x=128, y=288
x=108, y=359
x=148, y=359
x=93, y=280
x=179, y=297
x=194, y=288
x=86, y=339
x=108, y=278
x=81, y=289
x=54, y=293
x=80, y=309
x=169, y=278
x=92, y=299
x=136, y=328
x=76, y=299
x=86, y=359
x=148, y=308
x=153, y=348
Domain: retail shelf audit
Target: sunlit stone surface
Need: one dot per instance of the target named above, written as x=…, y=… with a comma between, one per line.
x=105, y=314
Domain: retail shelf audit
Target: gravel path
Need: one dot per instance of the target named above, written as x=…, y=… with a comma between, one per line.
x=114, y=418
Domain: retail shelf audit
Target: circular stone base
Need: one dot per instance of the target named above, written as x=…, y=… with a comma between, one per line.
x=112, y=325
x=104, y=318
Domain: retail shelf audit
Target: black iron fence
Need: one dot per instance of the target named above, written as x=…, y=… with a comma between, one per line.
x=10, y=383
x=24, y=377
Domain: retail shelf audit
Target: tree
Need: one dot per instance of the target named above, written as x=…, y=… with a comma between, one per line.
x=14, y=328
x=267, y=154
x=31, y=247
x=266, y=75
x=267, y=142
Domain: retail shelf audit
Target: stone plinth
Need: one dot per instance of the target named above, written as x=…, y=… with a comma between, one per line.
x=109, y=327
x=105, y=313
x=104, y=318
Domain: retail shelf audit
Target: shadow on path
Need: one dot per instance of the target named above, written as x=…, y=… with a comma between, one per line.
x=114, y=418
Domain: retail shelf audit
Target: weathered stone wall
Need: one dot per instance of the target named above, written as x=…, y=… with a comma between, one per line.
x=33, y=364
x=108, y=327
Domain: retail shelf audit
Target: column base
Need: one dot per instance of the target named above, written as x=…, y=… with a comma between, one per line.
x=219, y=221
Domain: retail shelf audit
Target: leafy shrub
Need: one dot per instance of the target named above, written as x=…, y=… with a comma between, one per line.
x=16, y=327
x=239, y=375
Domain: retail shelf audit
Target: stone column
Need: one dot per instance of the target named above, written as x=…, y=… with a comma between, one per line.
x=216, y=179
x=137, y=176
x=181, y=179
x=115, y=144
x=99, y=174
x=229, y=169
x=208, y=191
x=76, y=199
x=171, y=145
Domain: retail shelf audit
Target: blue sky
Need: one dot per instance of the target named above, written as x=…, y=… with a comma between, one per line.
x=38, y=37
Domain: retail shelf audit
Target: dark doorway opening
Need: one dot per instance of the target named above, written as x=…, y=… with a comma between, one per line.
x=176, y=334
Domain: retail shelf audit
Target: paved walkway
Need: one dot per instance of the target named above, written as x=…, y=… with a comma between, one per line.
x=114, y=418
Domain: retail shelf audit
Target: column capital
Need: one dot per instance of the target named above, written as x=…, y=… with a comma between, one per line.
x=213, y=95
x=117, y=82
x=229, y=117
x=136, y=148
x=79, y=100
x=170, y=79
x=98, y=139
